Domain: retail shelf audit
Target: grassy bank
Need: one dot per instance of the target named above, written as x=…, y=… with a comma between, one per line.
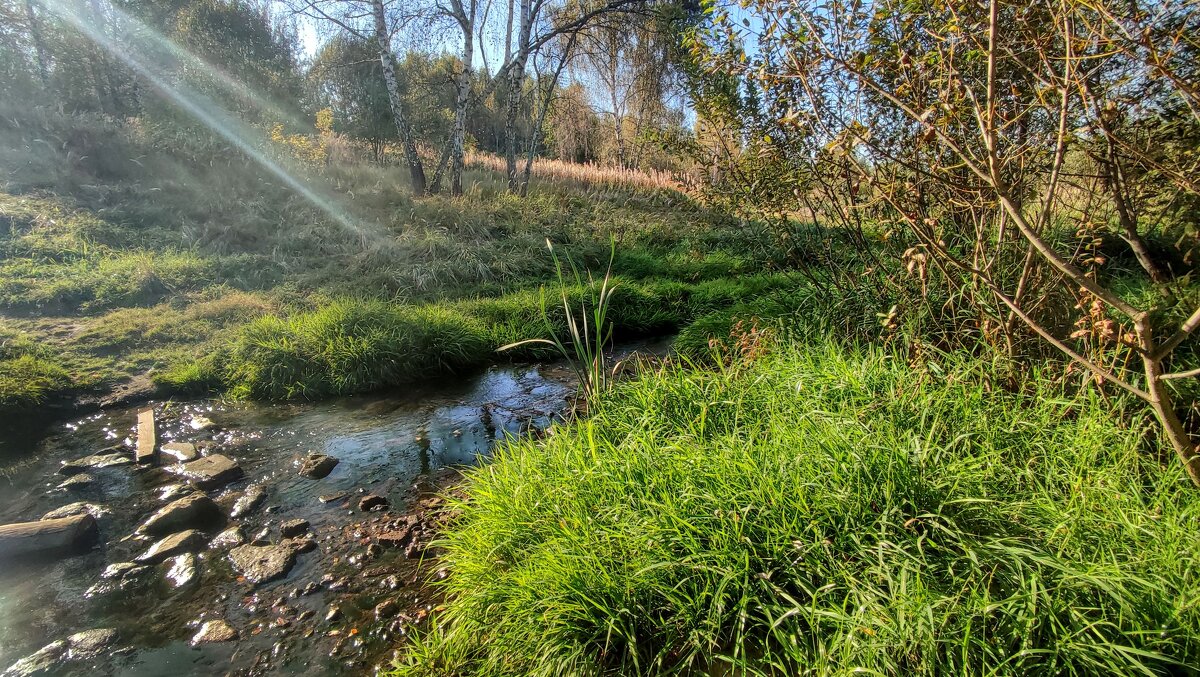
x=166, y=276
x=827, y=511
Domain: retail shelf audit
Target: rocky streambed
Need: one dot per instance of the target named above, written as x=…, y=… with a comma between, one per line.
x=280, y=538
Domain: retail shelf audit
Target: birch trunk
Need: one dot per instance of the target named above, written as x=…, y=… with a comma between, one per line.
x=383, y=42
x=39, y=46
x=515, y=77
x=460, y=108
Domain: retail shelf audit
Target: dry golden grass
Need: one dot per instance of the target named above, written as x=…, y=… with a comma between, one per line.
x=592, y=175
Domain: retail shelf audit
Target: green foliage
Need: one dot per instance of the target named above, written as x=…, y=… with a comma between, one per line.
x=829, y=511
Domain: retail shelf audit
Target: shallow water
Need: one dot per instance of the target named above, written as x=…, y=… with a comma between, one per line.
x=385, y=444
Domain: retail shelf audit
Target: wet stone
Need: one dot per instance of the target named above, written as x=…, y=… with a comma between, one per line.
x=117, y=577
x=190, y=511
x=78, y=482
x=180, y=451
x=77, y=508
x=182, y=571
x=209, y=472
x=293, y=528
x=90, y=643
x=184, y=541
x=386, y=609
x=44, y=661
x=334, y=613
x=393, y=539
x=215, y=631
x=260, y=564
x=230, y=538
x=317, y=466
x=330, y=498
x=301, y=545
x=248, y=501
x=372, y=502
x=108, y=457
x=174, y=491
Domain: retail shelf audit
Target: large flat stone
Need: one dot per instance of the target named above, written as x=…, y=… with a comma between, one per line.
x=262, y=563
x=190, y=511
x=147, y=437
x=209, y=472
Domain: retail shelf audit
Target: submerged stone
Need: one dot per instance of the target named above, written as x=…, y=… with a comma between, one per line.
x=263, y=563
x=78, y=508
x=215, y=631
x=209, y=472
x=90, y=643
x=44, y=661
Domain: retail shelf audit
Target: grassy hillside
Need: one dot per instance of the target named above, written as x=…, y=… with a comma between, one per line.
x=154, y=272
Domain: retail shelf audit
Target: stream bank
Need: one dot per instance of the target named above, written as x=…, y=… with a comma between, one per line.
x=346, y=555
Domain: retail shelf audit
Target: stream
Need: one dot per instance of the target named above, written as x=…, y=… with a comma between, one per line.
x=347, y=601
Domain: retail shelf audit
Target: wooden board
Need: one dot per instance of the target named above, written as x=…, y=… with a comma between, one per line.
x=46, y=535
x=147, y=437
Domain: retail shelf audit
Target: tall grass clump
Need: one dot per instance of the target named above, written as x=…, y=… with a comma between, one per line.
x=823, y=510
x=588, y=331
x=350, y=346
x=29, y=373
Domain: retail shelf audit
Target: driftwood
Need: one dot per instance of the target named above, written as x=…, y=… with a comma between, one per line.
x=54, y=535
x=147, y=437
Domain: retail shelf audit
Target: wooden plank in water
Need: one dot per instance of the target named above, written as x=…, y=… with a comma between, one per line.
x=46, y=535
x=147, y=437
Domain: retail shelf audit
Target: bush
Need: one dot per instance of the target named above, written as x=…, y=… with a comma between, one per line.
x=824, y=511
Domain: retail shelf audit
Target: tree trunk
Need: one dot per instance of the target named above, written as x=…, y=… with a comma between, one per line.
x=462, y=103
x=39, y=45
x=515, y=78
x=383, y=41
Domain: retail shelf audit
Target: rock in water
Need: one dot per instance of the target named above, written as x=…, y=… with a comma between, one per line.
x=215, y=631
x=181, y=571
x=230, y=538
x=317, y=466
x=262, y=563
x=41, y=662
x=184, y=541
x=248, y=501
x=292, y=528
x=190, y=511
x=52, y=535
x=103, y=459
x=75, y=509
x=77, y=482
x=180, y=451
x=90, y=643
x=209, y=472
x=372, y=501
x=117, y=577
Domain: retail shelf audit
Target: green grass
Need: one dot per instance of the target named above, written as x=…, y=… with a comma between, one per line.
x=826, y=511
x=346, y=345
x=29, y=373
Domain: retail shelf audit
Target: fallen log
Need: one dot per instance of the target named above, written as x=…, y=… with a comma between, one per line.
x=54, y=535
